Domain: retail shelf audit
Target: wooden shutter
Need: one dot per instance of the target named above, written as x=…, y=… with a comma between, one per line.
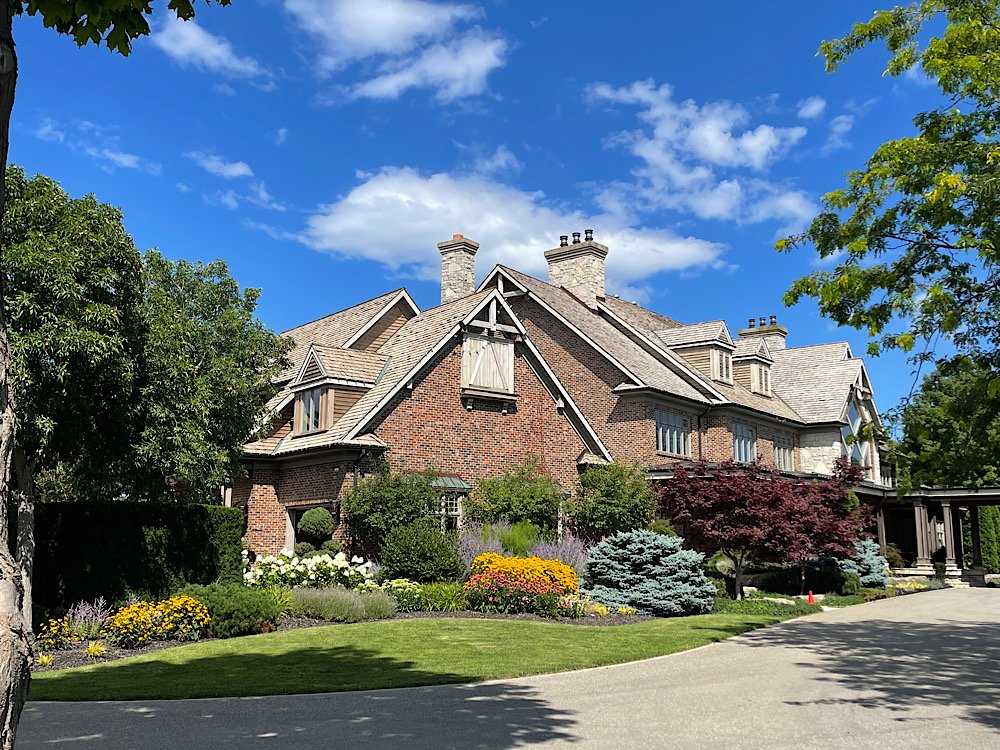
x=488, y=364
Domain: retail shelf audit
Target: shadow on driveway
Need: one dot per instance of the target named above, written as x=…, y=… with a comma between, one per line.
x=900, y=666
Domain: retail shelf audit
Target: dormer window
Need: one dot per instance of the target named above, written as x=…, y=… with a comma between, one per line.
x=309, y=405
x=722, y=365
x=760, y=379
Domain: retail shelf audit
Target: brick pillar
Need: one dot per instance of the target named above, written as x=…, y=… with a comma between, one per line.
x=266, y=517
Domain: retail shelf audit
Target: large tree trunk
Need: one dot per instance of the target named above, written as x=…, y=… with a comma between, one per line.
x=15, y=630
x=24, y=548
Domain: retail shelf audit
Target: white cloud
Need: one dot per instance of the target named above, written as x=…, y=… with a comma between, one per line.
x=257, y=196
x=111, y=159
x=454, y=70
x=182, y=187
x=225, y=89
x=794, y=208
x=357, y=29
x=48, y=130
x=280, y=136
x=811, y=108
x=189, y=45
x=501, y=160
x=840, y=126
x=215, y=164
x=397, y=215
x=225, y=198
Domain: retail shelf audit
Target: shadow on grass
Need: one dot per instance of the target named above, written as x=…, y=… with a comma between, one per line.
x=902, y=666
x=489, y=716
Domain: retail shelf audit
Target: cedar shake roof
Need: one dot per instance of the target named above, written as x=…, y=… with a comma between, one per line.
x=350, y=364
x=752, y=347
x=816, y=380
x=639, y=316
x=709, y=332
x=633, y=357
x=332, y=331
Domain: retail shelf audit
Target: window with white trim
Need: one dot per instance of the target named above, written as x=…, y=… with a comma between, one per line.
x=784, y=452
x=722, y=365
x=760, y=379
x=854, y=446
x=310, y=410
x=744, y=443
x=673, y=433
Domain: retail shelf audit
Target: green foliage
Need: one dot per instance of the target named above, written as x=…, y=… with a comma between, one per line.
x=443, y=597
x=523, y=493
x=282, y=598
x=406, y=594
x=893, y=556
x=88, y=550
x=305, y=548
x=851, y=585
x=821, y=576
x=116, y=24
x=660, y=526
x=914, y=232
x=316, y=525
x=611, y=498
x=385, y=501
x=343, y=605
x=235, y=609
x=421, y=552
x=519, y=539
x=725, y=605
x=649, y=572
x=868, y=565
x=331, y=546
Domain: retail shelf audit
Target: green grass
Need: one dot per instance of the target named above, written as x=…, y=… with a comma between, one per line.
x=395, y=653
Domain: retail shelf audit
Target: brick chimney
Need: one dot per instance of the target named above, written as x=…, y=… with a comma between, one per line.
x=578, y=266
x=458, y=267
x=768, y=329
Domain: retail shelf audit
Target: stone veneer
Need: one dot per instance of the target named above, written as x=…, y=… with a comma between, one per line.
x=458, y=267
x=579, y=268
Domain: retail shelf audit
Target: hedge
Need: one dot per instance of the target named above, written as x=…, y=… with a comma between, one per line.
x=89, y=549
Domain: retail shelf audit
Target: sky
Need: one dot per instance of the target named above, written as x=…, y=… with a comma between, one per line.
x=323, y=147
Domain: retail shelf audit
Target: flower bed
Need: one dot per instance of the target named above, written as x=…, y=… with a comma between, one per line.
x=286, y=569
x=516, y=584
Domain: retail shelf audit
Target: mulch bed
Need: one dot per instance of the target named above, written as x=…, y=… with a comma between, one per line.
x=76, y=655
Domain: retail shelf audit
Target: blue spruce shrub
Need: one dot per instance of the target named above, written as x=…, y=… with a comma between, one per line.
x=650, y=572
x=868, y=564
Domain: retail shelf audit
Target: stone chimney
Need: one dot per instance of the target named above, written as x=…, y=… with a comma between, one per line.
x=578, y=266
x=768, y=329
x=458, y=267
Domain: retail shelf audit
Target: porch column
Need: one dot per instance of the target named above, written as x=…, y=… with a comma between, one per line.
x=920, y=519
x=880, y=523
x=949, y=534
x=977, y=549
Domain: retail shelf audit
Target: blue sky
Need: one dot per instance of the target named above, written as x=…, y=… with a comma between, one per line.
x=322, y=147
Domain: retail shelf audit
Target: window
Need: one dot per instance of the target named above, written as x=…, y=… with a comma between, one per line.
x=488, y=364
x=760, y=379
x=722, y=365
x=310, y=411
x=854, y=446
x=784, y=453
x=673, y=434
x=450, y=510
x=744, y=443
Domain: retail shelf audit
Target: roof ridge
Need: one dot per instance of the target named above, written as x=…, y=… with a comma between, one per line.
x=393, y=293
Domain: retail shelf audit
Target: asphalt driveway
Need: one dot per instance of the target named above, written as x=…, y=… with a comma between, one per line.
x=913, y=672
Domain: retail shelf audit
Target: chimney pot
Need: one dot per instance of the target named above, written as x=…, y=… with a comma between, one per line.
x=578, y=268
x=753, y=323
x=563, y=240
x=588, y=235
x=763, y=321
x=774, y=320
x=576, y=238
x=457, y=237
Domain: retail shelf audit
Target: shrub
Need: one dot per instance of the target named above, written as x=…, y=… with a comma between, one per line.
x=405, y=593
x=55, y=634
x=649, y=572
x=612, y=498
x=316, y=525
x=443, y=597
x=493, y=591
x=421, y=552
x=547, y=605
x=519, y=538
x=893, y=556
x=661, y=526
x=850, y=586
x=530, y=570
x=303, y=548
x=235, y=609
x=331, y=546
x=726, y=605
x=940, y=571
x=868, y=565
x=474, y=539
x=822, y=576
x=570, y=550
x=523, y=493
x=182, y=618
x=128, y=546
x=385, y=501
x=134, y=625
x=319, y=570
x=87, y=618
x=338, y=604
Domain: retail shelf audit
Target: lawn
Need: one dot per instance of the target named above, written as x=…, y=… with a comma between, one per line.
x=394, y=653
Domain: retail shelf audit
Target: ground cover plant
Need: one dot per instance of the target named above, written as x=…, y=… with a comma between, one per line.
x=393, y=653
x=650, y=572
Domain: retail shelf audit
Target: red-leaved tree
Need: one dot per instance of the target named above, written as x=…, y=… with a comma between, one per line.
x=752, y=512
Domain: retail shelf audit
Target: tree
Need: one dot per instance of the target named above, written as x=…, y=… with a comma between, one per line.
x=951, y=437
x=387, y=500
x=750, y=512
x=522, y=493
x=915, y=232
x=611, y=498
x=116, y=24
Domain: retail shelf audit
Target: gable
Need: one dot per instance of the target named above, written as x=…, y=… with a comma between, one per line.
x=383, y=327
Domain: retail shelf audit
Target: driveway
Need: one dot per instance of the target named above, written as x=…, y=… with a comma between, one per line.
x=913, y=672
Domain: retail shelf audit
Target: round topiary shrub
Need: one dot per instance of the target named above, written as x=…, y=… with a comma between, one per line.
x=649, y=572
x=421, y=552
x=331, y=546
x=316, y=525
x=303, y=548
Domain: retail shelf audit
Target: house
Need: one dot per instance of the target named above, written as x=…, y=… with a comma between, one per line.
x=519, y=368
